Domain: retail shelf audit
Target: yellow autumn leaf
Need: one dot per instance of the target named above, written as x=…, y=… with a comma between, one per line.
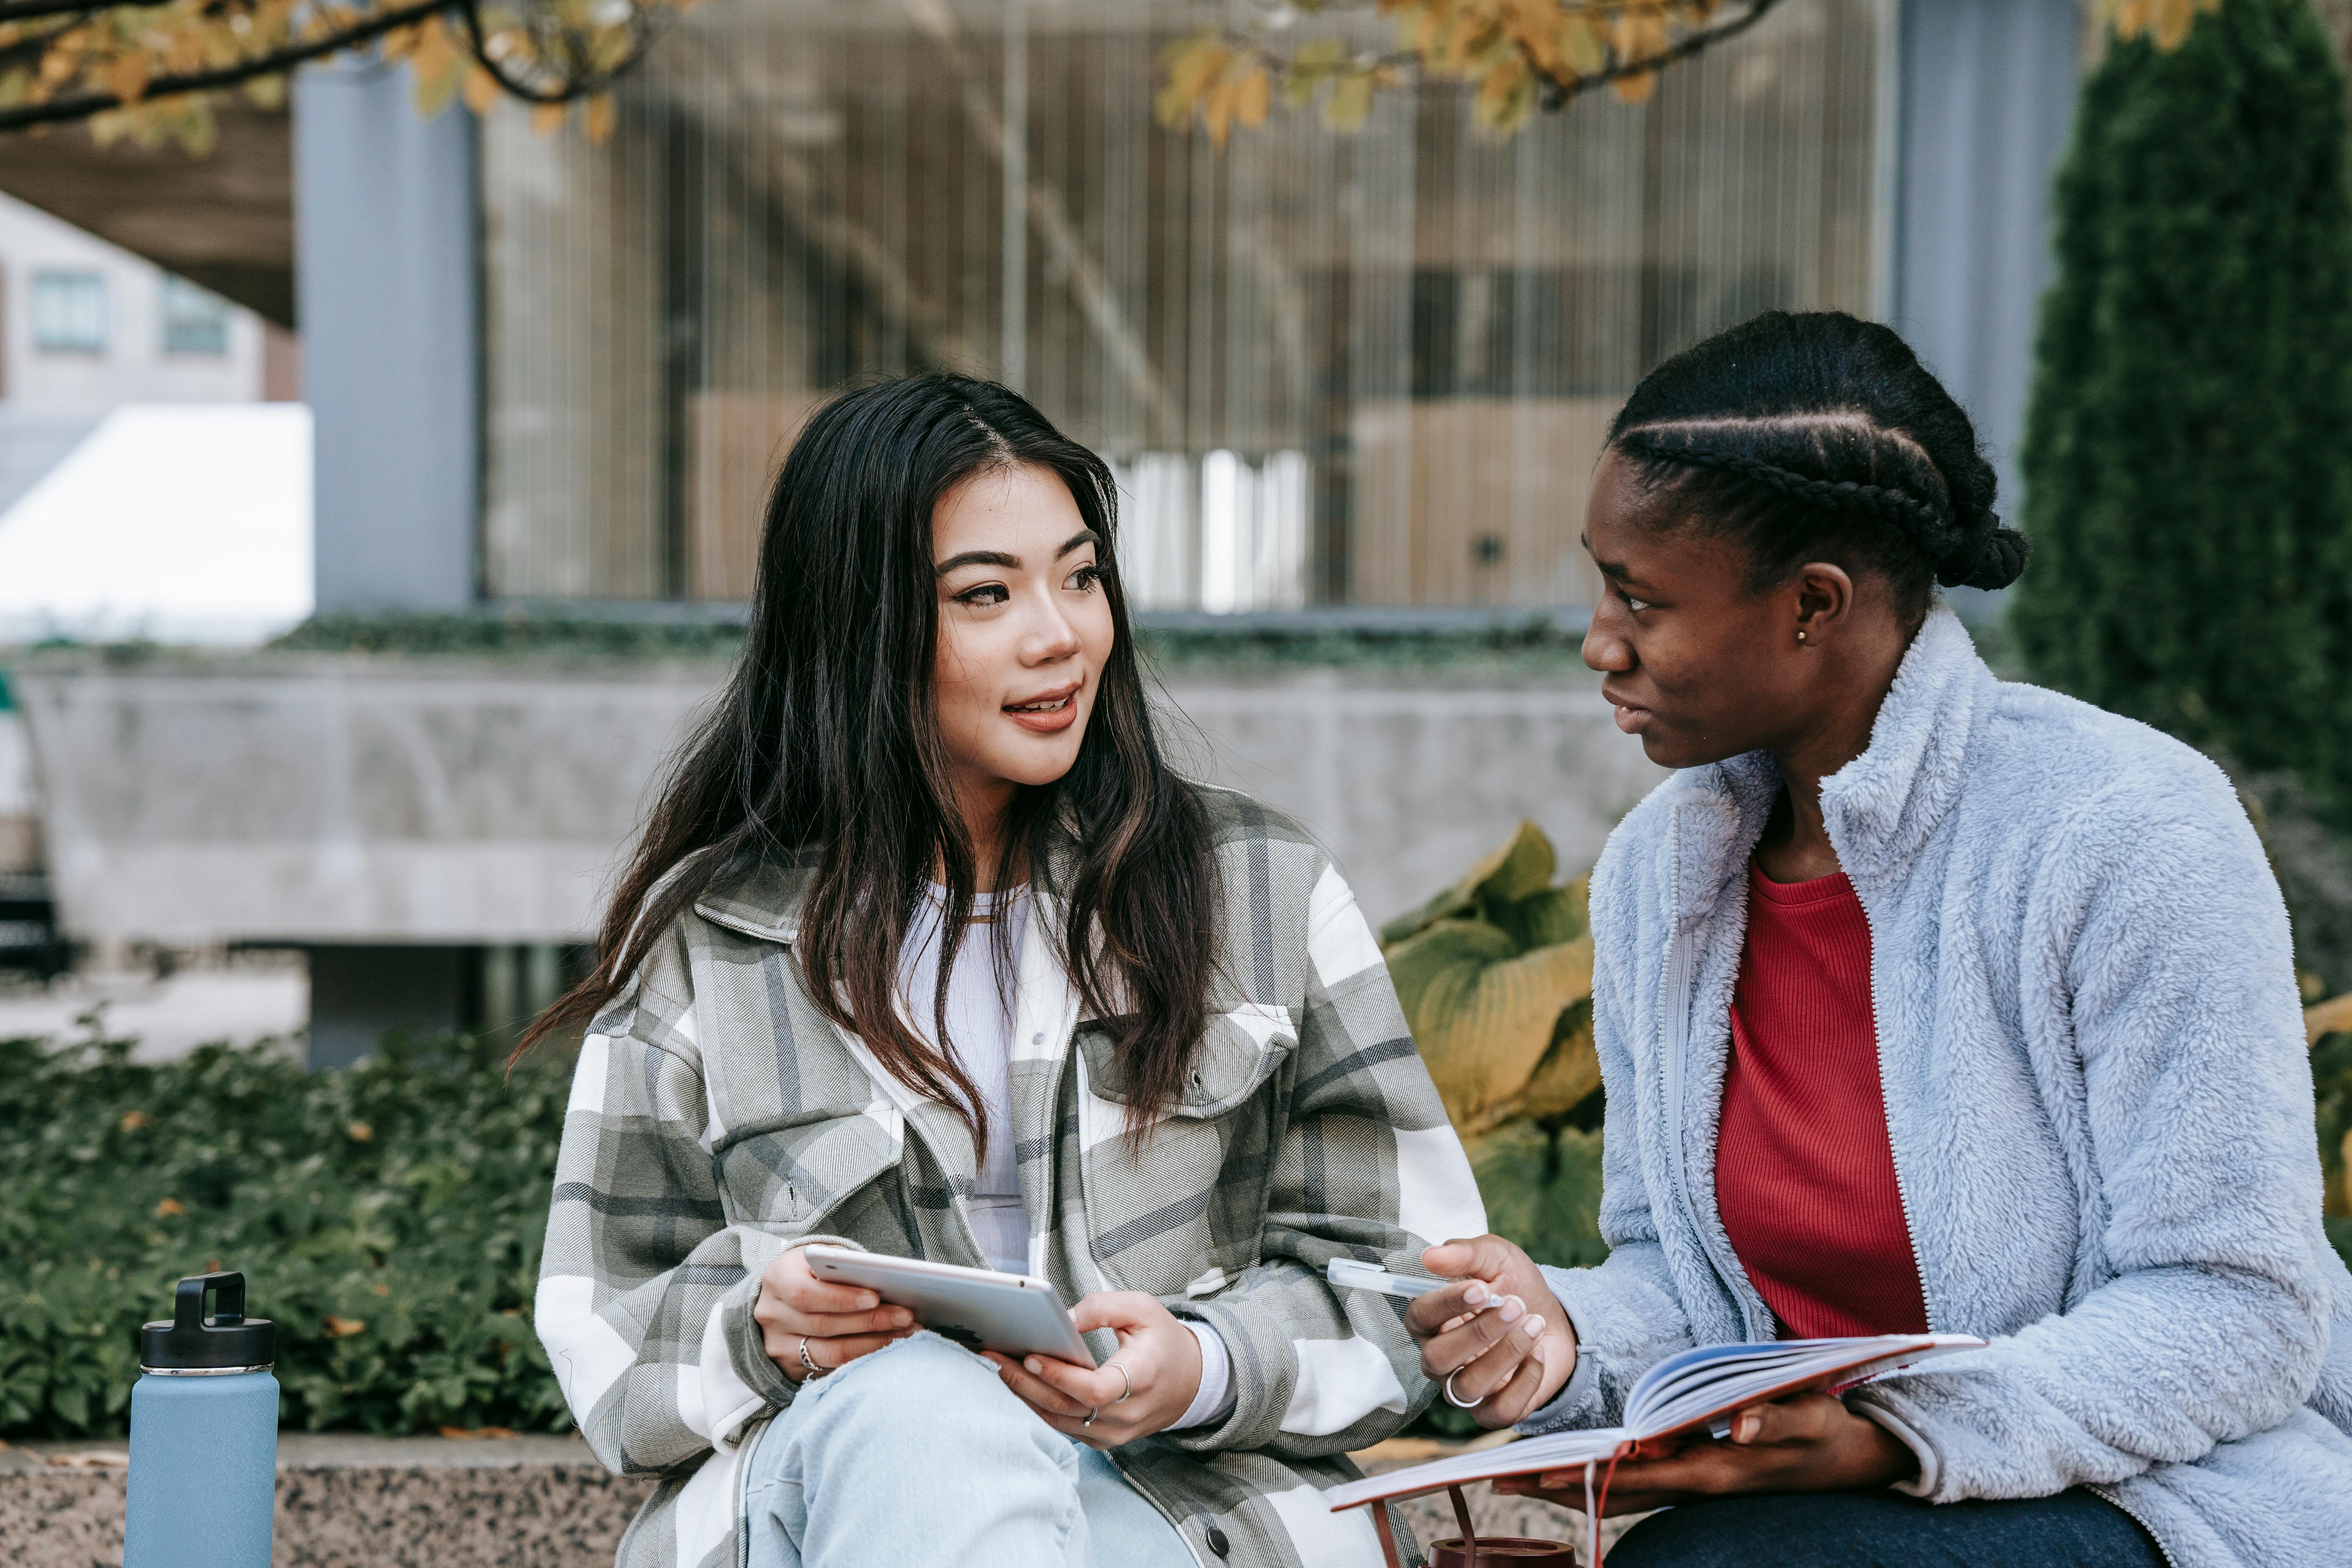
x=1254, y=96
x=2173, y=20
x=1351, y=103
x=133, y=1120
x=169, y=1207
x=1313, y=64
x=436, y=85
x=126, y=77
x=360, y=1132
x=1217, y=112
x=599, y=119
x=1506, y=96
x=480, y=90
x=344, y=1328
x=1583, y=46
x=1191, y=64
x=1635, y=88
x=547, y=119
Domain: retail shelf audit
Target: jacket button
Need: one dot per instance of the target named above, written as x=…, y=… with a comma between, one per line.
x=1217, y=1541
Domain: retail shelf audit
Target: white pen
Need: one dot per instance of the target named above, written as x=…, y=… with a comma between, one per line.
x=1357, y=1276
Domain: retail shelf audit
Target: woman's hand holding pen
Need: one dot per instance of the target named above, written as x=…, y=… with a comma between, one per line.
x=1497, y=1340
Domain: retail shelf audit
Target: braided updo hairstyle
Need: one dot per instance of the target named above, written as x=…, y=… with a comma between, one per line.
x=1817, y=436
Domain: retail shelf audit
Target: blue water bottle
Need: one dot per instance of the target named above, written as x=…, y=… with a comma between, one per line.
x=204, y=1434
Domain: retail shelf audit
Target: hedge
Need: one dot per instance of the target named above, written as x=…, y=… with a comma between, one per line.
x=387, y=1218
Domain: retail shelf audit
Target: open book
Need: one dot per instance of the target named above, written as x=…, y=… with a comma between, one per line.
x=1694, y=1388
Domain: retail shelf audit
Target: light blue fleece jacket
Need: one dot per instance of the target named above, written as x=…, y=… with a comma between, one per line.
x=2097, y=1093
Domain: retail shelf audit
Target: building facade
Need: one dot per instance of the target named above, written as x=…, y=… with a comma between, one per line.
x=1346, y=381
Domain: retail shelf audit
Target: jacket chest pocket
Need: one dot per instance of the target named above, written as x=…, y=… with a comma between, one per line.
x=787, y=1179
x=1189, y=1196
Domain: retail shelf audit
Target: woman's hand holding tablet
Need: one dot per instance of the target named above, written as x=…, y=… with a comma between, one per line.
x=808, y=1327
x=1142, y=1389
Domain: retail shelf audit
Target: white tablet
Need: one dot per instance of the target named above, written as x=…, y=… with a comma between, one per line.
x=977, y=1308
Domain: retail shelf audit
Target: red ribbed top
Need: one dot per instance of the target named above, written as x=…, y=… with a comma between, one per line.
x=1804, y=1174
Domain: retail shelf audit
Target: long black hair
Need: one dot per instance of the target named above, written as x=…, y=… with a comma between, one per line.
x=825, y=750
x=1817, y=436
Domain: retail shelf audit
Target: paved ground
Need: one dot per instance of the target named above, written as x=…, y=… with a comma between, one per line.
x=350, y=1501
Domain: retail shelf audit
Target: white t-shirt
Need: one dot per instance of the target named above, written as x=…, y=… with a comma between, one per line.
x=979, y=1020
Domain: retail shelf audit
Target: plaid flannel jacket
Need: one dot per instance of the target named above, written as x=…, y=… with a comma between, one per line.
x=718, y=1118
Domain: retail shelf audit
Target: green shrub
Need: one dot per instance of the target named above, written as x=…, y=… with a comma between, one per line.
x=388, y=1220
x=2187, y=478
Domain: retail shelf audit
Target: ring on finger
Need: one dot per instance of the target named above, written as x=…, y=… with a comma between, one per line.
x=1130, y=1385
x=1092, y=1411
x=813, y=1370
x=1454, y=1399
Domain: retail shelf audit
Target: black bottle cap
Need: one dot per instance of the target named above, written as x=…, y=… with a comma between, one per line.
x=191, y=1341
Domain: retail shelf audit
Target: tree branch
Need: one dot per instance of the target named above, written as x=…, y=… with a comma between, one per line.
x=476, y=43
x=81, y=106
x=34, y=10
x=568, y=85
x=1557, y=92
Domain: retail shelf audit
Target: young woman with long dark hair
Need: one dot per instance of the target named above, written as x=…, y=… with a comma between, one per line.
x=926, y=951
x=1923, y=1001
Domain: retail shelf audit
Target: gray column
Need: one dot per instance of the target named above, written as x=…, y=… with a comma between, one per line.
x=387, y=269
x=1988, y=94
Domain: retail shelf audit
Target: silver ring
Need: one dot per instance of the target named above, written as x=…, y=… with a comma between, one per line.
x=813, y=1370
x=1454, y=1400
x=1092, y=1411
x=1130, y=1385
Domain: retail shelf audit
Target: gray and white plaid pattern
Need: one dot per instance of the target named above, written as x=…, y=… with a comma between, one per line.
x=718, y=1119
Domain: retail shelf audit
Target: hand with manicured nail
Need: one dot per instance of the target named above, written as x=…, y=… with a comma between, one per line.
x=1145, y=1386
x=1806, y=1443
x=1498, y=1333
x=838, y=1322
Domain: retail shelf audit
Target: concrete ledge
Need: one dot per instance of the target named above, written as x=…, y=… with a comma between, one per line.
x=350, y=1501
x=346, y=1501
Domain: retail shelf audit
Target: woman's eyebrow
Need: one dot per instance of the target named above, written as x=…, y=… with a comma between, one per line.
x=977, y=558
x=1615, y=571
x=1085, y=536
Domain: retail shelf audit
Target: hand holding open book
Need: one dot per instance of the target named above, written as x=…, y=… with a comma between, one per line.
x=1694, y=1392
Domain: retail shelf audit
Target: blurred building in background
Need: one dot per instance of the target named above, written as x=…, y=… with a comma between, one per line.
x=1346, y=380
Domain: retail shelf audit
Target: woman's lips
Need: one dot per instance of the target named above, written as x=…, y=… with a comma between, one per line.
x=1046, y=715
x=1630, y=720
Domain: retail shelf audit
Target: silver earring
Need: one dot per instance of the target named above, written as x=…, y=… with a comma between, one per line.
x=1800, y=636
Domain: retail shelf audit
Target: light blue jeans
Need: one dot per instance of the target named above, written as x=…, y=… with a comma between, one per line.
x=917, y=1455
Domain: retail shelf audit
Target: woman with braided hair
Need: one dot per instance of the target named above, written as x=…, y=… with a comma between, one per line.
x=1923, y=1001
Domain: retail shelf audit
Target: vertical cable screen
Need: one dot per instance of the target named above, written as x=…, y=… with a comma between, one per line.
x=1370, y=369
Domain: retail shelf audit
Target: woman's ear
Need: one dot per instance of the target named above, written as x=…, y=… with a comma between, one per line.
x=1824, y=602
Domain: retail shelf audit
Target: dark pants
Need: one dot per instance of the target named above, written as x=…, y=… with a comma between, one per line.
x=1887, y=1529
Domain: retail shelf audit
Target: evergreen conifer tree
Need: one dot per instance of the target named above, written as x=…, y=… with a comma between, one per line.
x=2188, y=458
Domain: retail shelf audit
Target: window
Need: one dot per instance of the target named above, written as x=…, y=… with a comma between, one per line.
x=1371, y=369
x=196, y=320
x=69, y=313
